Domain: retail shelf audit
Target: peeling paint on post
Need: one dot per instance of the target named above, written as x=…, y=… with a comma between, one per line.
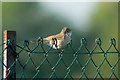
x=9, y=56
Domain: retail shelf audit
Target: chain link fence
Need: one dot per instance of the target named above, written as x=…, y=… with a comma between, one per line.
x=23, y=62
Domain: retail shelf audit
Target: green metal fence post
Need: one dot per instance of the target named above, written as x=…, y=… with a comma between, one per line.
x=9, y=56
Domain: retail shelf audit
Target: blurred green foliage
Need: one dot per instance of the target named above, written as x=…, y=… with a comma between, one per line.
x=105, y=21
x=30, y=21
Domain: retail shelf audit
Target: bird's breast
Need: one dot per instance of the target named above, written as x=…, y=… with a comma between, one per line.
x=60, y=43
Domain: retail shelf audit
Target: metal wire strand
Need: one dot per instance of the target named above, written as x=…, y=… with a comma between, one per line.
x=25, y=48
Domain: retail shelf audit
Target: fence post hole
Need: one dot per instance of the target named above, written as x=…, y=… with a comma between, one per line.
x=9, y=56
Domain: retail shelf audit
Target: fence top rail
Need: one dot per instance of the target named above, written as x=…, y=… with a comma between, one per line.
x=83, y=43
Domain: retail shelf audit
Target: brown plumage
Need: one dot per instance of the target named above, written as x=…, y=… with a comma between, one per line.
x=60, y=40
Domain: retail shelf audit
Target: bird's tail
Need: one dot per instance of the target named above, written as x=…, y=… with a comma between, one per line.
x=33, y=41
x=44, y=40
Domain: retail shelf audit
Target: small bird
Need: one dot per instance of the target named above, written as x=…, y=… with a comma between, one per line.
x=60, y=40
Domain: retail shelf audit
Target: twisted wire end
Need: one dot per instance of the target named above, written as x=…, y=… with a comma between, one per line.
x=84, y=41
x=98, y=41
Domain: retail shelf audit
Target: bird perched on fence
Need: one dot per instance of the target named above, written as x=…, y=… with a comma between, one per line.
x=60, y=40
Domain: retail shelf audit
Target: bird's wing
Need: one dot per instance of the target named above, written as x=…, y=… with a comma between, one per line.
x=59, y=36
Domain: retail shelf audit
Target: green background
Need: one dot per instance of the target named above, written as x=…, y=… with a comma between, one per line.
x=30, y=20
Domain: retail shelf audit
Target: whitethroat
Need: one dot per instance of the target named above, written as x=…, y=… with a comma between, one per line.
x=60, y=40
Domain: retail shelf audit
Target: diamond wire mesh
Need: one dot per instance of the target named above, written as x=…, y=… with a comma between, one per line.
x=52, y=73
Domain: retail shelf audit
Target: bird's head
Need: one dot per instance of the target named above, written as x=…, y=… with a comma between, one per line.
x=67, y=31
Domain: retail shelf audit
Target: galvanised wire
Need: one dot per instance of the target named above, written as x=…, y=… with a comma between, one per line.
x=27, y=49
